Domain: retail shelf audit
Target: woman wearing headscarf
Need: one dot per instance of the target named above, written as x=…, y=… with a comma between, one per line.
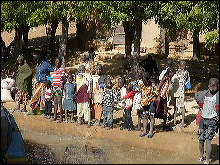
x=23, y=83
x=43, y=70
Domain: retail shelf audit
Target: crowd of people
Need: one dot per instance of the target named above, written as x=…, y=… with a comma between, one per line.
x=90, y=95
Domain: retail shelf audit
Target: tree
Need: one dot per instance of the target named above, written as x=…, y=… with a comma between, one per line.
x=47, y=12
x=14, y=15
x=195, y=16
x=131, y=14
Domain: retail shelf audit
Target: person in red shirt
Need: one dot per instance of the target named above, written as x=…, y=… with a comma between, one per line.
x=129, y=97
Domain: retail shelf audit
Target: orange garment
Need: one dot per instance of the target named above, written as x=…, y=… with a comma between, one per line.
x=97, y=110
x=164, y=88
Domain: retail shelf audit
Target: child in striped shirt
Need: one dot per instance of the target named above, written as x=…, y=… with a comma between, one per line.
x=161, y=102
x=58, y=81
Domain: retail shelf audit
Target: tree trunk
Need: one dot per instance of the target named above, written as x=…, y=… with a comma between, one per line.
x=52, y=45
x=63, y=43
x=81, y=33
x=164, y=43
x=167, y=48
x=196, y=46
x=25, y=30
x=129, y=37
x=137, y=43
x=17, y=41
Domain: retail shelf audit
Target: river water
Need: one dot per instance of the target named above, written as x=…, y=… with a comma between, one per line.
x=44, y=148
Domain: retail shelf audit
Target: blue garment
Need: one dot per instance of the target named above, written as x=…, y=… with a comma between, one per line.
x=43, y=70
x=108, y=116
x=69, y=97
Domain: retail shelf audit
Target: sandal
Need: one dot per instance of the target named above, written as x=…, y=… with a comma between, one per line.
x=150, y=135
x=142, y=135
x=201, y=159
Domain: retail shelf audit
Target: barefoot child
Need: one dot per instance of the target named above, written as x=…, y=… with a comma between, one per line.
x=83, y=93
x=149, y=92
x=208, y=101
x=179, y=79
x=122, y=93
x=137, y=107
x=69, y=104
x=161, y=110
x=109, y=99
x=58, y=81
x=129, y=97
x=97, y=94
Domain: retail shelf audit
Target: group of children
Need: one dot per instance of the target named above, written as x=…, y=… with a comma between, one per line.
x=90, y=94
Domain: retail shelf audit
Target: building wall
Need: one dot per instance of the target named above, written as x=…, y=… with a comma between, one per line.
x=150, y=34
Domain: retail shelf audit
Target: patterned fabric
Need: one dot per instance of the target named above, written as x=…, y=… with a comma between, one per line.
x=38, y=96
x=164, y=88
x=149, y=94
x=22, y=97
x=137, y=97
x=44, y=70
x=58, y=91
x=109, y=97
x=208, y=110
x=200, y=95
x=178, y=84
x=57, y=77
x=48, y=93
x=96, y=90
x=207, y=129
x=83, y=78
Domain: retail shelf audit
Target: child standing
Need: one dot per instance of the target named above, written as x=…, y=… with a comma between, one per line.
x=129, y=97
x=58, y=81
x=149, y=93
x=208, y=101
x=121, y=93
x=48, y=98
x=83, y=93
x=161, y=110
x=179, y=79
x=109, y=98
x=69, y=97
x=137, y=107
x=97, y=94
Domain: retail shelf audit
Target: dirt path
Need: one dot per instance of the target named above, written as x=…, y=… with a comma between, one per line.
x=119, y=146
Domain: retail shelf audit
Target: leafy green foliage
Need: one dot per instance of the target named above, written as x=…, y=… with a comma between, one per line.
x=211, y=39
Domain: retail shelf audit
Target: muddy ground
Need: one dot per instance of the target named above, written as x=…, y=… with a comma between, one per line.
x=68, y=143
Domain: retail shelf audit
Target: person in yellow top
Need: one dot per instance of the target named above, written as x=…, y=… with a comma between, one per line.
x=149, y=93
